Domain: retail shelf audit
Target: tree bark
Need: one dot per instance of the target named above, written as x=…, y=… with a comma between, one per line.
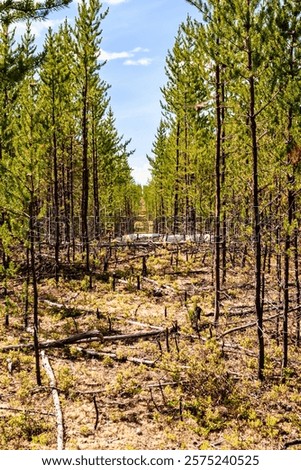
x=34, y=285
x=56, y=402
x=256, y=208
x=85, y=174
x=176, y=197
x=95, y=182
x=217, y=281
x=55, y=190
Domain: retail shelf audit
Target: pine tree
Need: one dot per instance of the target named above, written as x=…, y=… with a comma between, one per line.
x=160, y=165
x=55, y=75
x=183, y=95
x=212, y=13
x=114, y=171
x=88, y=36
x=15, y=10
x=26, y=187
x=288, y=55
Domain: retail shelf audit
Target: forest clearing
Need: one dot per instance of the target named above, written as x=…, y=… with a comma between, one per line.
x=185, y=386
x=163, y=316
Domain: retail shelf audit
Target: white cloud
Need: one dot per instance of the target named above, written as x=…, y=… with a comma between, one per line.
x=144, y=61
x=129, y=55
x=139, y=49
x=115, y=2
x=105, y=55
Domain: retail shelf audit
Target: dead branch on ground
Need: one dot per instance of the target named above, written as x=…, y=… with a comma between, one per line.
x=56, y=401
x=123, y=358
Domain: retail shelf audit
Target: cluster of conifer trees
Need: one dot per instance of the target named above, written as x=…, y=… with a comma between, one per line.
x=226, y=156
x=228, y=149
x=64, y=171
x=65, y=179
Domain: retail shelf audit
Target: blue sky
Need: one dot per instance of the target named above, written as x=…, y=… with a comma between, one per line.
x=136, y=37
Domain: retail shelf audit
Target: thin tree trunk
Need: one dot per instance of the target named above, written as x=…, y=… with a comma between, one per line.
x=217, y=191
x=256, y=209
x=71, y=183
x=34, y=284
x=85, y=175
x=286, y=273
x=27, y=281
x=186, y=174
x=290, y=213
x=66, y=192
x=95, y=183
x=278, y=254
x=56, y=191
x=223, y=178
x=297, y=283
x=176, y=198
x=286, y=267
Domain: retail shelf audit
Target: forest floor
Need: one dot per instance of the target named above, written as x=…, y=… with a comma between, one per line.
x=193, y=388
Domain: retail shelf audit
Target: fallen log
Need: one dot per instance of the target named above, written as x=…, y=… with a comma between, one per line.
x=56, y=401
x=237, y=348
x=101, y=354
x=26, y=411
x=167, y=384
x=138, y=335
x=157, y=285
x=295, y=442
x=57, y=343
x=52, y=304
x=67, y=310
x=93, y=335
x=247, y=325
x=186, y=273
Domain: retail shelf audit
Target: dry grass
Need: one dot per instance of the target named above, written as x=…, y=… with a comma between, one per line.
x=202, y=392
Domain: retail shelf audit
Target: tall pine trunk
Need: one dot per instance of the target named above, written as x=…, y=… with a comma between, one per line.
x=34, y=283
x=177, y=182
x=217, y=191
x=297, y=282
x=55, y=191
x=71, y=189
x=223, y=178
x=256, y=209
x=85, y=174
x=290, y=177
x=95, y=182
x=286, y=271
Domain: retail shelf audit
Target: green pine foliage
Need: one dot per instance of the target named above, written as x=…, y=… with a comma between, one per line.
x=231, y=127
x=60, y=152
x=14, y=10
x=180, y=170
x=226, y=153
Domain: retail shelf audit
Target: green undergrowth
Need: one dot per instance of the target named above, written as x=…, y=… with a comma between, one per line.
x=201, y=392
